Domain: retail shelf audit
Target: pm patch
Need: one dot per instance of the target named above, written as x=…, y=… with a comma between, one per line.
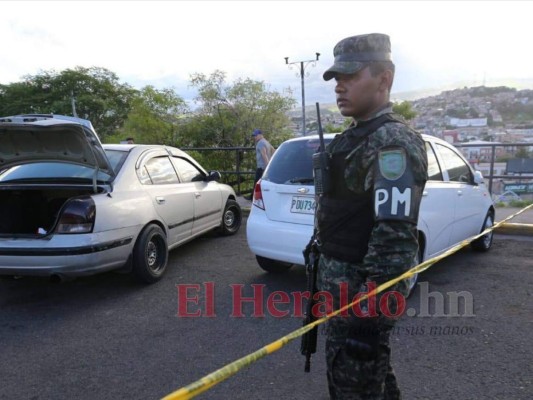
x=396, y=193
x=392, y=163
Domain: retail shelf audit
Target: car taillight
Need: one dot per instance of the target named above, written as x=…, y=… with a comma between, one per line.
x=258, y=196
x=77, y=216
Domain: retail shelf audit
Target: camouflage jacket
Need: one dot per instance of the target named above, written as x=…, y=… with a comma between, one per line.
x=393, y=245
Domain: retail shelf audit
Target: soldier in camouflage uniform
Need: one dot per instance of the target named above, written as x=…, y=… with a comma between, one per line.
x=366, y=225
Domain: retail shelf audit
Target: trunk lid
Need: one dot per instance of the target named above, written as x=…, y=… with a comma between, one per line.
x=28, y=139
x=289, y=203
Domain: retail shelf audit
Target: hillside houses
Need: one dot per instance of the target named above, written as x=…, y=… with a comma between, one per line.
x=483, y=123
x=468, y=115
x=478, y=115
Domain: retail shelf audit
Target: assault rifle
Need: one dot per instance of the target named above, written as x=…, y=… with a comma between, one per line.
x=321, y=162
x=311, y=252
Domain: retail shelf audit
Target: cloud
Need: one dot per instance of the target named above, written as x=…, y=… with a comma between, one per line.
x=163, y=42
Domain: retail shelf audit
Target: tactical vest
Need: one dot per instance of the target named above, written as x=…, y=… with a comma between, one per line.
x=345, y=219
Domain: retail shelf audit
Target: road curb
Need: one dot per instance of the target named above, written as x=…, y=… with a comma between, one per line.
x=509, y=228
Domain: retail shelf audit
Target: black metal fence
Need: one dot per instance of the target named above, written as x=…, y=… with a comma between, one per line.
x=491, y=177
x=237, y=164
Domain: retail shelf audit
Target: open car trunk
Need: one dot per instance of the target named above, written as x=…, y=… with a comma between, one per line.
x=34, y=211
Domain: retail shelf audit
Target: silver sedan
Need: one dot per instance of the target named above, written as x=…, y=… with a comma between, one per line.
x=70, y=206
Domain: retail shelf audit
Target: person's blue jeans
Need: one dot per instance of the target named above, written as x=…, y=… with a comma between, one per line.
x=258, y=175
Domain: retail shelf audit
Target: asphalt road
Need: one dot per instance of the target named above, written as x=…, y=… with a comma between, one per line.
x=106, y=337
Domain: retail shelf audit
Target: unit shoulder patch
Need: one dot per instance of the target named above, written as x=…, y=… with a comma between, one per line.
x=392, y=163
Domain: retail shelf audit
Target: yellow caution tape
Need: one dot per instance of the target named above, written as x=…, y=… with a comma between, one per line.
x=192, y=390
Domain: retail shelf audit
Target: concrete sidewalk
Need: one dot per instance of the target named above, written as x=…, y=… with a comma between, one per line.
x=245, y=204
x=525, y=218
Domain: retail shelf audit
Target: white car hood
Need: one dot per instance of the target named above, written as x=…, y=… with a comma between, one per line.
x=50, y=140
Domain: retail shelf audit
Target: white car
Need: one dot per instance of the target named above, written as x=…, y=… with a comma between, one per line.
x=455, y=205
x=71, y=207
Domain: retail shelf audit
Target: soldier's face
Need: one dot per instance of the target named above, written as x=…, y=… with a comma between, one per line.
x=360, y=94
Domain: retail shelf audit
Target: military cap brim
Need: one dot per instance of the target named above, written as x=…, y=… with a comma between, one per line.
x=343, y=67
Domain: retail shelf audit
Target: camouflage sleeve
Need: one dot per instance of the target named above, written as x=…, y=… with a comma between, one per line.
x=391, y=249
x=393, y=243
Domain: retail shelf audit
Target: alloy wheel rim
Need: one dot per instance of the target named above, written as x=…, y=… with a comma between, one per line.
x=229, y=218
x=151, y=255
x=488, y=237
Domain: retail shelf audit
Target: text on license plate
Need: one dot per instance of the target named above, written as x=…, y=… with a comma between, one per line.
x=303, y=205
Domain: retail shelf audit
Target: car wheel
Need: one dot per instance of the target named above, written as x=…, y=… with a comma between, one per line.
x=484, y=243
x=150, y=254
x=272, y=266
x=231, y=218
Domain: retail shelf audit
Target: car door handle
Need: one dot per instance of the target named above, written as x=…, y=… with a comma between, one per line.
x=160, y=200
x=425, y=193
x=197, y=194
x=459, y=192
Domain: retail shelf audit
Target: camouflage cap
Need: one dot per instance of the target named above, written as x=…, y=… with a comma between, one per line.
x=353, y=53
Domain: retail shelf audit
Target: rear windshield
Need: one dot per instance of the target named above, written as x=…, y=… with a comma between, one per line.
x=50, y=170
x=116, y=158
x=292, y=163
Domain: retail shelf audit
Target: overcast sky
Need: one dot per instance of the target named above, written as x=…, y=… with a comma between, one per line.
x=434, y=43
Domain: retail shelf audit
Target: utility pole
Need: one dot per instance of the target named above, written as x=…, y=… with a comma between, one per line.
x=303, y=65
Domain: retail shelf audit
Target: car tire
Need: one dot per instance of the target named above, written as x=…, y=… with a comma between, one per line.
x=484, y=243
x=272, y=266
x=150, y=254
x=231, y=218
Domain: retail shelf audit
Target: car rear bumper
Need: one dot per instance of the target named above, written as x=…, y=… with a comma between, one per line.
x=67, y=255
x=277, y=240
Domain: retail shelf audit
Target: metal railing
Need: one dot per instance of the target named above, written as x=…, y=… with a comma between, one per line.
x=492, y=161
x=241, y=164
x=232, y=162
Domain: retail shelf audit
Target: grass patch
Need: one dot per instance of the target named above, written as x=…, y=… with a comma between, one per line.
x=520, y=203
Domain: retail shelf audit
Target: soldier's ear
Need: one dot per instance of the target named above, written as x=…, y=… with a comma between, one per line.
x=386, y=78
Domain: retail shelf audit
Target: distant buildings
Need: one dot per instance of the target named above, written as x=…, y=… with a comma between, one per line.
x=470, y=115
x=465, y=122
x=481, y=150
x=475, y=116
x=478, y=121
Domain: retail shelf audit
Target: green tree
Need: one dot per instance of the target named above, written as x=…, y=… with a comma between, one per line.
x=19, y=97
x=96, y=92
x=330, y=128
x=228, y=113
x=405, y=109
x=154, y=118
x=456, y=113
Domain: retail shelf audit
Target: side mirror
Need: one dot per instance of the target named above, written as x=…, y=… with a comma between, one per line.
x=213, y=176
x=478, y=177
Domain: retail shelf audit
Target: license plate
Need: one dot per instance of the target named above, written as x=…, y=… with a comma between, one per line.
x=303, y=205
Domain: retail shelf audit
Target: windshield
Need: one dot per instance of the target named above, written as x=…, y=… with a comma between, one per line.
x=293, y=162
x=50, y=170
